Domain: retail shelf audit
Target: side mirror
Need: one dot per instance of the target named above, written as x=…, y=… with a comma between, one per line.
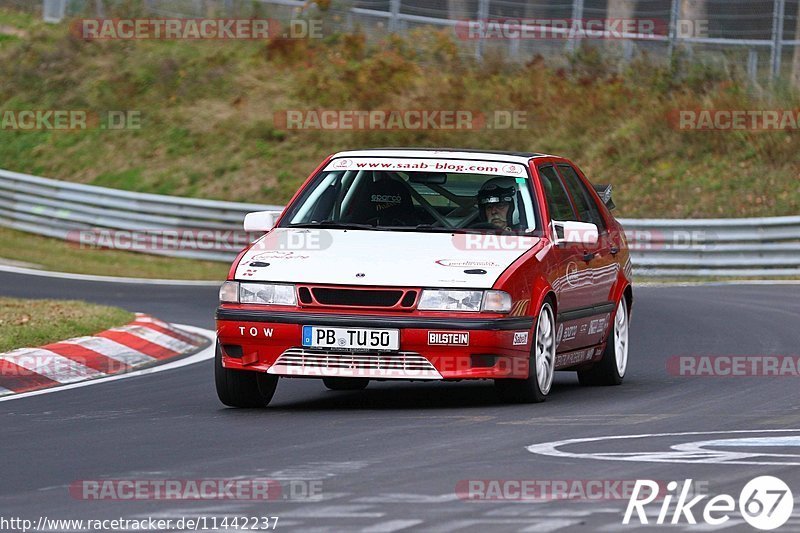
x=604, y=192
x=261, y=220
x=575, y=232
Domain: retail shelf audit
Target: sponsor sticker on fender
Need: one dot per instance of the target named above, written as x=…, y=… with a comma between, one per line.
x=429, y=165
x=520, y=338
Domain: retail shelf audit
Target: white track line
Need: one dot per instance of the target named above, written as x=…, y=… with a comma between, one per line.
x=106, y=279
x=204, y=355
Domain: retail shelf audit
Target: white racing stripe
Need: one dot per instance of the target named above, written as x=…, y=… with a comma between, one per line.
x=50, y=365
x=112, y=350
x=156, y=337
x=204, y=355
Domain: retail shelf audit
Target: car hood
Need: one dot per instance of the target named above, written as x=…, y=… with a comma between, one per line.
x=381, y=258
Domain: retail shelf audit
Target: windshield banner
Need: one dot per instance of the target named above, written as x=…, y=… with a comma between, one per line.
x=429, y=165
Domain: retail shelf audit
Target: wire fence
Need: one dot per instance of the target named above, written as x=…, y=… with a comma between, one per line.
x=759, y=38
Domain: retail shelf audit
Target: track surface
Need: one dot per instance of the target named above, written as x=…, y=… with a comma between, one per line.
x=390, y=457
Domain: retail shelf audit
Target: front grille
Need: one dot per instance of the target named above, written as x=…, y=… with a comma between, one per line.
x=397, y=365
x=357, y=297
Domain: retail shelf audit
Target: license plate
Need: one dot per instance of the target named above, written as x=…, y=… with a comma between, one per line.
x=351, y=338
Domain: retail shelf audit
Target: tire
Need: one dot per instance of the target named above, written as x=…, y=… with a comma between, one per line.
x=536, y=387
x=611, y=369
x=242, y=388
x=346, y=383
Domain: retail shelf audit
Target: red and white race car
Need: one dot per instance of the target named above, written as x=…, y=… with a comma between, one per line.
x=413, y=264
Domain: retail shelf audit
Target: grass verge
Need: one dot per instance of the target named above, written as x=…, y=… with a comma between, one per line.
x=53, y=254
x=32, y=323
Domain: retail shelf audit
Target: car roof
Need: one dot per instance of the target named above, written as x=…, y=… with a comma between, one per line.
x=444, y=153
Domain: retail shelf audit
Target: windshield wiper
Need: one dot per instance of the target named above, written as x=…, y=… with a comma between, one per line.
x=333, y=225
x=422, y=228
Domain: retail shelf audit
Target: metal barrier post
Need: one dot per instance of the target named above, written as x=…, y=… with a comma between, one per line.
x=483, y=18
x=394, y=12
x=752, y=65
x=674, y=20
x=779, y=12
x=577, y=16
x=53, y=11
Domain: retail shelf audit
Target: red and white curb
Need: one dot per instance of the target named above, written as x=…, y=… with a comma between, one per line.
x=143, y=343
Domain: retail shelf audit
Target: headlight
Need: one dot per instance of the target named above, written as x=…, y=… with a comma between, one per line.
x=267, y=293
x=444, y=300
x=496, y=302
x=229, y=292
x=458, y=300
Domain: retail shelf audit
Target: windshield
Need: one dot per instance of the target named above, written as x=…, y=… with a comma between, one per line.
x=421, y=195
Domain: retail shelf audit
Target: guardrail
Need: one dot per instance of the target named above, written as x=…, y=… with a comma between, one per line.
x=752, y=247
x=64, y=210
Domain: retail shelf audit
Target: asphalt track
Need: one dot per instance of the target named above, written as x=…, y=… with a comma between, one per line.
x=390, y=457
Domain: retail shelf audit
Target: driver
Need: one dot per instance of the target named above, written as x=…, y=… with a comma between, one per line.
x=496, y=204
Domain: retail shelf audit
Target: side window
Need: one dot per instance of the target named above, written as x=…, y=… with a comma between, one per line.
x=557, y=199
x=584, y=202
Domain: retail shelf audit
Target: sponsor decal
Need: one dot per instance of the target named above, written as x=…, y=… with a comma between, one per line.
x=433, y=165
x=574, y=358
x=277, y=254
x=386, y=198
x=570, y=332
x=598, y=325
x=520, y=338
x=448, y=338
x=520, y=308
x=255, y=332
x=560, y=334
x=572, y=274
x=465, y=264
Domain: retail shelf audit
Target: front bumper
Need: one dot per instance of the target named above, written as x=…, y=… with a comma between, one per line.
x=270, y=341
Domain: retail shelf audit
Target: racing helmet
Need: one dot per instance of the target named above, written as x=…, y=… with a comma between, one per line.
x=494, y=191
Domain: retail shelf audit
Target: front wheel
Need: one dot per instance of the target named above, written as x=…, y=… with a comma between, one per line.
x=242, y=388
x=346, y=383
x=536, y=386
x=610, y=370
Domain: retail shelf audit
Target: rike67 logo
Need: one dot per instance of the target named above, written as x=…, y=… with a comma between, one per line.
x=765, y=503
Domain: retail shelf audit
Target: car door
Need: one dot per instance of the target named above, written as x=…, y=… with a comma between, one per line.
x=602, y=268
x=568, y=279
